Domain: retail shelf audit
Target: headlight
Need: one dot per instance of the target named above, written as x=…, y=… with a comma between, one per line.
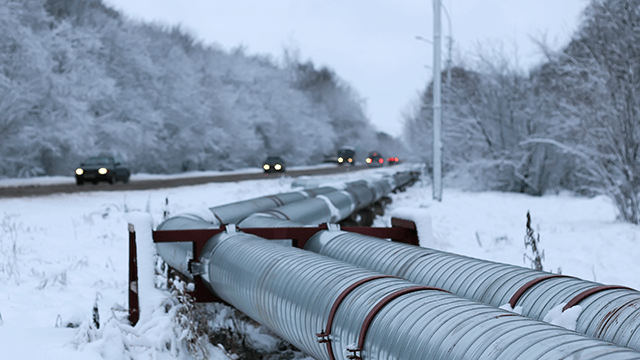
x=277, y=167
x=102, y=171
x=266, y=166
x=79, y=171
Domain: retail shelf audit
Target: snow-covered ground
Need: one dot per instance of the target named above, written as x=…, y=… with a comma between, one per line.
x=60, y=254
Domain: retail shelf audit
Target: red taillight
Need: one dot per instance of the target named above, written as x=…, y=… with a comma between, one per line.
x=389, y=159
x=381, y=160
x=350, y=160
x=396, y=159
x=368, y=160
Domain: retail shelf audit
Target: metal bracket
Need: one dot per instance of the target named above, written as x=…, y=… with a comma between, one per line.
x=196, y=268
x=356, y=353
x=324, y=334
x=585, y=294
x=518, y=294
x=333, y=227
x=230, y=228
x=377, y=308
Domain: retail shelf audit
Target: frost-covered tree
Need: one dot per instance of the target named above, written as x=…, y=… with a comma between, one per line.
x=77, y=78
x=596, y=81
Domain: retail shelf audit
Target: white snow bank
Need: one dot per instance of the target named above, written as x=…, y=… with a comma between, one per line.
x=422, y=218
x=567, y=319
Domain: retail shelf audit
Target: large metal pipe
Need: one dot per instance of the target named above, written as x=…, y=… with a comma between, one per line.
x=608, y=313
x=298, y=208
x=329, y=207
x=295, y=293
x=177, y=255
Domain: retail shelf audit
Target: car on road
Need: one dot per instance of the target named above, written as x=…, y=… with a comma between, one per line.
x=375, y=159
x=347, y=156
x=102, y=168
x=393, y=161
x=274, y=164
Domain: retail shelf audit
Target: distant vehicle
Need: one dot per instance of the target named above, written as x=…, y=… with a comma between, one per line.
x=347, y=155
x=102, y=168
x=375, y=159
x=393, y=160
x=274, y=164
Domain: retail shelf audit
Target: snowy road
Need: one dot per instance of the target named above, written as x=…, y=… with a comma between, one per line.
x=148, y=182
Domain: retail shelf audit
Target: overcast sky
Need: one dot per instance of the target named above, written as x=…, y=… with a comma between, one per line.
x=369, y=43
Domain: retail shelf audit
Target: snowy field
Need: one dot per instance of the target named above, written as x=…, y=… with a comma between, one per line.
x=61, y=254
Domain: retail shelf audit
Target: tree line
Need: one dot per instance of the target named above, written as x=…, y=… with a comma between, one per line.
x=79, y=79
x=572, y=122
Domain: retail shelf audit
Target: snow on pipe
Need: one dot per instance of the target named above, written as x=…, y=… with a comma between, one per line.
x=308, y=299
x=607, y=313
x=177, y=255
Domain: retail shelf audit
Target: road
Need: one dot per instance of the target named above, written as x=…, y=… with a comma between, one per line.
x=36, y=190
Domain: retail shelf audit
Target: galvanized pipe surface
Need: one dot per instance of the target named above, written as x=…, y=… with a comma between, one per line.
x=292, y=291
x=233, y=213
x=177, y=255
x=329, y=207
x=613, y=314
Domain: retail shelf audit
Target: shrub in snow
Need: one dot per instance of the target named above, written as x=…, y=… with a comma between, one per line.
x=532, y=240
x=9, y=248
x=170, y=329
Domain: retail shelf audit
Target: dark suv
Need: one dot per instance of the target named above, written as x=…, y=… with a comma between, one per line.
x=346, y=156
x=102, y=168
x=274, y=164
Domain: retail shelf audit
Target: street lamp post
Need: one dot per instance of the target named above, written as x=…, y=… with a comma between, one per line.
x=437, y=105
x=449, y=45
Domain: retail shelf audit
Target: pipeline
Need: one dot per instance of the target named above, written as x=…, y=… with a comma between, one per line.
x=178, y=255
x=331, y=310
x=609, y=313
x=308, y=207
x=330, y=207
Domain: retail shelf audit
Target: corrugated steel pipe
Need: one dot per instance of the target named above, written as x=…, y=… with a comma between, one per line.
x=177, y=255
x=608, y=313
x=233, y=213
x=329, y=207
x=309, y=207
x=324, y=307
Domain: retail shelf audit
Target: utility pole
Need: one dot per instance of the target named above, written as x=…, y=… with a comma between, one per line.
x=449, y=45
x=437, y=103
